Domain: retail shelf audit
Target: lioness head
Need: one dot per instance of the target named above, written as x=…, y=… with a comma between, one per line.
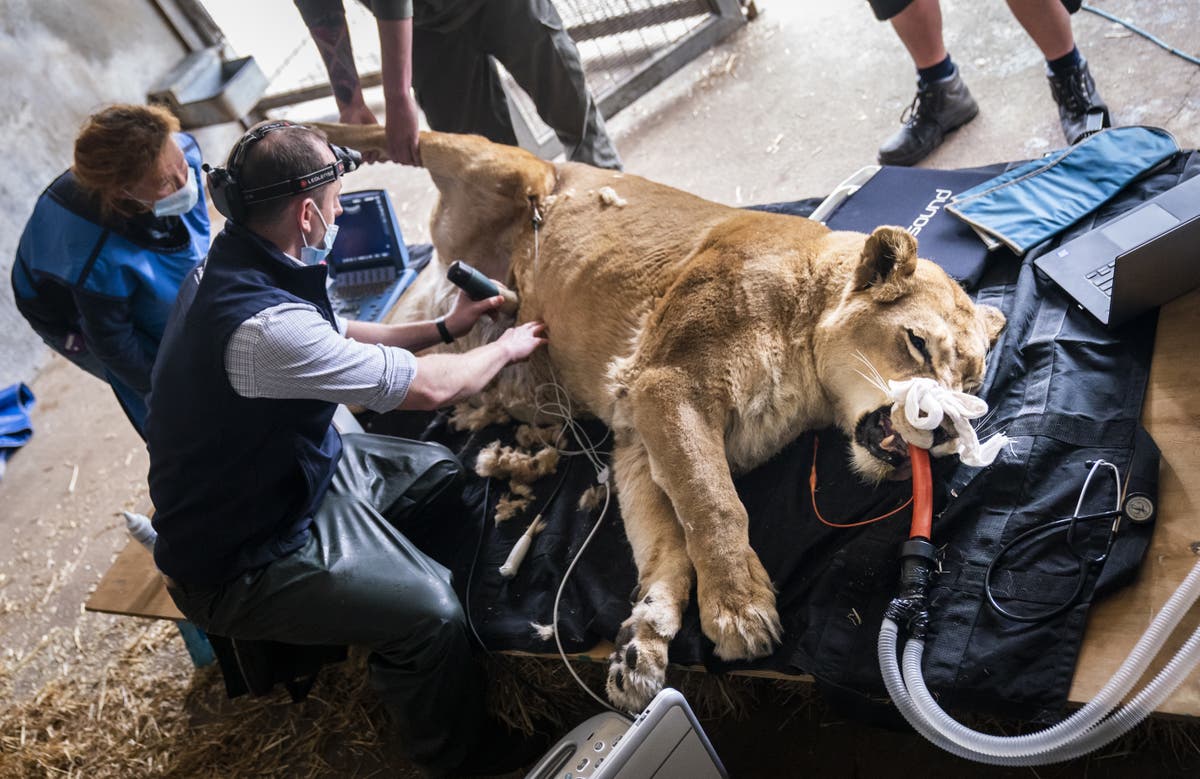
x=898, y=318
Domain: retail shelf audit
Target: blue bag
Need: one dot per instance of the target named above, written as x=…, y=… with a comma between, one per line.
x=15, y=425
x=1036, y=201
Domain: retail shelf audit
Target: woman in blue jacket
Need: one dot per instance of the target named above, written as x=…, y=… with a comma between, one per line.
x=101, y=259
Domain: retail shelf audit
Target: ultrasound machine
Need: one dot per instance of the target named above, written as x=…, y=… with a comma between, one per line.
x=369, y=264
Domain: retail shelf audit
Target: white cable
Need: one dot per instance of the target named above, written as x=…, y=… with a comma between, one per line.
x=560, y=408
x=558, y=596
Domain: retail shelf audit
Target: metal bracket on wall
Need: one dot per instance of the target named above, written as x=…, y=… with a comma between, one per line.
x=191, y=23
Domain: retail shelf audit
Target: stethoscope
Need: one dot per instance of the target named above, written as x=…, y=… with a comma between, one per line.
x=1140, y=508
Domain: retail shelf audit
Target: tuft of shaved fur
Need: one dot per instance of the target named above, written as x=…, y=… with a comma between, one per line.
x=476, y=416
x=536, y=436
x=520, y=468
x=509, y=506
x=590, y=498
x=609, y=197
x=507, y=462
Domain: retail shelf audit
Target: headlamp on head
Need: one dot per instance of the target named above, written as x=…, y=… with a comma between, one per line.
x=231, y=200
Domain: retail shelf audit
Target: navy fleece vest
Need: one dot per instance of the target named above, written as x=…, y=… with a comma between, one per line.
x=234, y=480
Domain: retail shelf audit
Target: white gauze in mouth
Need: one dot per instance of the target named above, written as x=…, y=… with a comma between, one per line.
x=926, y=404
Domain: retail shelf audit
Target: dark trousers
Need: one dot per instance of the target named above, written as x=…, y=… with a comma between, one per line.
x=360, y=581
x=459, y=88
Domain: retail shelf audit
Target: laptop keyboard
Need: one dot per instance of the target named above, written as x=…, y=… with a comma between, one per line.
x=1102, y=277
x=366, y=277
x=355, y=291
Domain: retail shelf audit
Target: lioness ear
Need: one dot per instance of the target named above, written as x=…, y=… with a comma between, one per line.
x=992, y=320
x=889, y=257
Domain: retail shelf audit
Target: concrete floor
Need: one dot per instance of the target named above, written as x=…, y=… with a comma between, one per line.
x=784, y=109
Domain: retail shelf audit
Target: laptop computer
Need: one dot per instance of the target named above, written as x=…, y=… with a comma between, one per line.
x=368, y=266
x=1133, y=263
x=663, y=742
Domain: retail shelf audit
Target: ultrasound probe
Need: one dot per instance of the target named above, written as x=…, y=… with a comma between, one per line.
x=477, y=286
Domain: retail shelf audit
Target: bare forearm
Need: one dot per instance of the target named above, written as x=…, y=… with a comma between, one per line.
x=413, y=336
x=444, y=379
x=395, y=51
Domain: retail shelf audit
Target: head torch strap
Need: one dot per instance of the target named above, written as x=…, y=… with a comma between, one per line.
x=317, y=178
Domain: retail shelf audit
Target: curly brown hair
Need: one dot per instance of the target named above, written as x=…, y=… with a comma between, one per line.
x=118, y=146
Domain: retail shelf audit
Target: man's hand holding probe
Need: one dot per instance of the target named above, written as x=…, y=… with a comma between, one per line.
x=444, y=379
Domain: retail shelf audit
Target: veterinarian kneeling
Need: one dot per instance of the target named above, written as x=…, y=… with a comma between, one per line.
x=270, y=525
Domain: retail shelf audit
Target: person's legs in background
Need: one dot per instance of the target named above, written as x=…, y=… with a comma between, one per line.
x=942, y=102
x=919, y=27
x=529, y=39
x=457, y=85
x=1081, y=110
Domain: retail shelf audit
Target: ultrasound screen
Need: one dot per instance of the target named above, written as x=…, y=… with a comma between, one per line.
x=364, y=233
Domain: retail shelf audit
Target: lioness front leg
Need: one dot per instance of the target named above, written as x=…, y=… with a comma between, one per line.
x=687, y=452
x=638, y=665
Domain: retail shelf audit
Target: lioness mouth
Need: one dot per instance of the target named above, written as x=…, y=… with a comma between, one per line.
x=875, y=433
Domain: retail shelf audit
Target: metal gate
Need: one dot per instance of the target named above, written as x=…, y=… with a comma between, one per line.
x=627, y=47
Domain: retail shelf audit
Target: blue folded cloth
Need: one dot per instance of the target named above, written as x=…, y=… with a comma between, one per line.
x=1036, y=201
x=15, y=425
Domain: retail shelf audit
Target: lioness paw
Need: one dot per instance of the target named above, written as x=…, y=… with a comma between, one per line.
x=637, y=668
x=737, y=611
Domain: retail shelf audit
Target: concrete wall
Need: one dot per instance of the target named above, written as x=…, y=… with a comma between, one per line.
x=63, y=60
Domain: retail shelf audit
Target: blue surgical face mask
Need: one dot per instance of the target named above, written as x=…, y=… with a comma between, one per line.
x=181, y=200
x=313, y=255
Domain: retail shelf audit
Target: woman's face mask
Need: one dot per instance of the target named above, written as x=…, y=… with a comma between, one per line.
x=181, y=200
x=313, y=255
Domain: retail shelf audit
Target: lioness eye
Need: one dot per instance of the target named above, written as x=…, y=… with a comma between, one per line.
x=918, y=343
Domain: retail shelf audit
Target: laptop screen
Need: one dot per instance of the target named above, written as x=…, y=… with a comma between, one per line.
x=368, y=235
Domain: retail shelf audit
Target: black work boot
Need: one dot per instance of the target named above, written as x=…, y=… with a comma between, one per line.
x=1081, y=110
x=938, y=108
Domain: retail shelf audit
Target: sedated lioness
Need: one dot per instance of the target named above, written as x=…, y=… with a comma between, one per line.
x=707, y=338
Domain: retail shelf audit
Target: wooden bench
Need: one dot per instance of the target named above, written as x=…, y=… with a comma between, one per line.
x=132, y=586
x=1171, y=414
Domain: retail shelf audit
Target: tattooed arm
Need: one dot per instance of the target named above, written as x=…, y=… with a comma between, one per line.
x=326, y=22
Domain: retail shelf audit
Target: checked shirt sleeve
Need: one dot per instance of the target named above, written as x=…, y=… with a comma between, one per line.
x=290, y=351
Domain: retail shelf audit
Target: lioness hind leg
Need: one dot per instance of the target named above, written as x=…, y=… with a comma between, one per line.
x=638, y=665
x=687, y=450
